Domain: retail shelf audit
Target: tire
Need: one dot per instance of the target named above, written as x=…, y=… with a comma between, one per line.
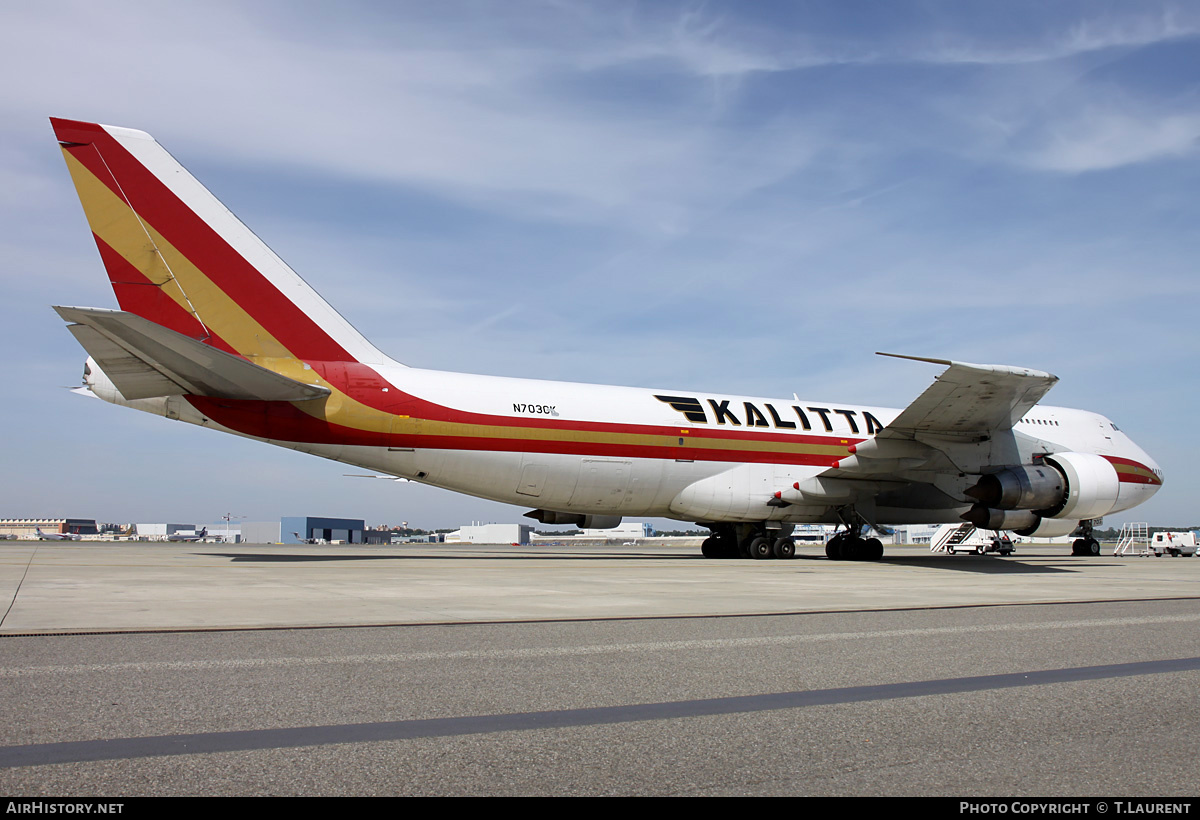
x=760, y=548
x=1093, y=547
x=784, y=549
x=852, y=549
x=833, y=549
x=710, y=548
x=873, y=550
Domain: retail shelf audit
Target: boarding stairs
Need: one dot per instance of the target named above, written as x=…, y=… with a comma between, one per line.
x=951, y=535
x=1134, y=540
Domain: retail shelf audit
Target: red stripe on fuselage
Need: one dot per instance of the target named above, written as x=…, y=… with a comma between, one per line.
x=1146, y=477
x=284, y=422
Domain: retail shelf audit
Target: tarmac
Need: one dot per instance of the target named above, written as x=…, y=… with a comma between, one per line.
x=81, y=586
x=211, y=669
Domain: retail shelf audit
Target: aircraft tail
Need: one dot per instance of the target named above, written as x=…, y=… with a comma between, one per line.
x=179, y=258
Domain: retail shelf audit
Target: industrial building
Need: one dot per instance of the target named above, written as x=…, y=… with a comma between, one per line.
x=27, y=528
x=305, y=530
x=492, y=534
x=161, y=532
x=626, y=531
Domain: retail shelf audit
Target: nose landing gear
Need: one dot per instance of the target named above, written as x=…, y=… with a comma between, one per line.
x=1087, y=545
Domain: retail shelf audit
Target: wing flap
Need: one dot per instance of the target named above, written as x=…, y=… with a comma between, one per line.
x=145, y=360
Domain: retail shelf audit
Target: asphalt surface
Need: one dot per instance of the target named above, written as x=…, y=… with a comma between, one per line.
x=638, y=671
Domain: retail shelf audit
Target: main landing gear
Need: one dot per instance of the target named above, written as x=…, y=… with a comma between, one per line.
x=848, y=545
x=1087, y=545
x=748, y=541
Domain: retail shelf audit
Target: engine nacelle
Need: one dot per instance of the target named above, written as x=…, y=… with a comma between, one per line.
x=1049, y=528
x=586, y=521
x=1092, y=486
x=987, y=518
x=1064, y=485
x=1028, y=487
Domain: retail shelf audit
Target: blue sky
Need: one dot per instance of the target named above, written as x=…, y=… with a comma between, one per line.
x=735, y=197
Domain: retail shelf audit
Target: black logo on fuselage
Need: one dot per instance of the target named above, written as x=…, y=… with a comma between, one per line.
x=694, y=411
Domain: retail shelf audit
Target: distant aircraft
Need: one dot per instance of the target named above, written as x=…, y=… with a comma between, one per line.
x=179, y=536
x=57, y=536
x=216, y=330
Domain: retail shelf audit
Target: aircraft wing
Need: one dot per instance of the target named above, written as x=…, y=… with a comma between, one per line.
x=970, y=400
x=967, y=404
x=145, y=360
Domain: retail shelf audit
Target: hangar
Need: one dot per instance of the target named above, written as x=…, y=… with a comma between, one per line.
x=305, y=529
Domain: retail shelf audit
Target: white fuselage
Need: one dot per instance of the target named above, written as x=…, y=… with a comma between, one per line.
x=609, y=476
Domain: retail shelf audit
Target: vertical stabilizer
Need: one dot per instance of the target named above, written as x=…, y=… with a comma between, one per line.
x=179, y=258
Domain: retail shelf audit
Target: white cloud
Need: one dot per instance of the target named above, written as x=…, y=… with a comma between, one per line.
x=480, y=125
x=1096, y=140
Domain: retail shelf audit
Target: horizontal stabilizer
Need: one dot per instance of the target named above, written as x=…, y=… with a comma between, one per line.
x=145, y=360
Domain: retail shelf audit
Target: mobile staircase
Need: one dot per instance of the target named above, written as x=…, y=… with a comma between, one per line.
x=1134, y=540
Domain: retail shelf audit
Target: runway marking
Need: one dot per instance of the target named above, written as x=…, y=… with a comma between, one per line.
x=590, y=649
x=42, y=754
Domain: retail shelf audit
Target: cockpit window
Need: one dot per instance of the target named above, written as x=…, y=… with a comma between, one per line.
x=1115, y=427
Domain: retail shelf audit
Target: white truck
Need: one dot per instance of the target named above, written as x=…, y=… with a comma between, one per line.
x=1173, y=543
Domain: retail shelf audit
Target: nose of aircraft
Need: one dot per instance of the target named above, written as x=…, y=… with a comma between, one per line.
x=1140, y=479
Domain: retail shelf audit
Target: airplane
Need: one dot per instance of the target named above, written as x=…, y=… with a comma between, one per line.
x=57, y=536
x=179, y=536
x=216, y=330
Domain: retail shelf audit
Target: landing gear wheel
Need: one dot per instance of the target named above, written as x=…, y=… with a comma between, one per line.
x=760, y=548
x=785, y=548
x=852, y=549
x=833, y=548
x=1092, y=547
x=711, y=548
x=872, y=550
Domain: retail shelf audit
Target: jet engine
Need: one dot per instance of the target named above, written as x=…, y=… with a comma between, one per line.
x=587, y=521
x=1064, y=485
x=1049, y=528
